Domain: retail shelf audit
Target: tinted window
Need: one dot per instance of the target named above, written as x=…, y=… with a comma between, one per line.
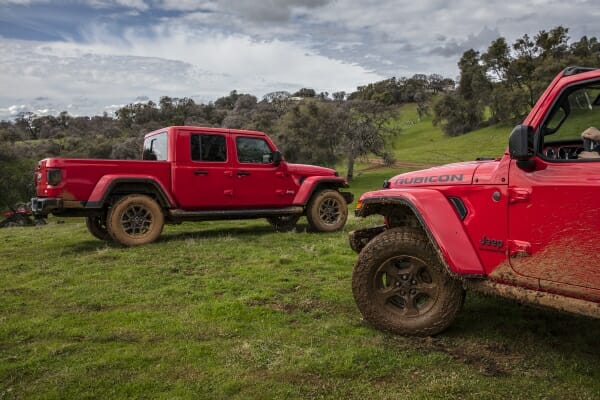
x=253, y=150
x=210, y=148
x=155, y=147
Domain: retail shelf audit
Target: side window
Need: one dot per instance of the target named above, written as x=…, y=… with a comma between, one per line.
x=253, y=150
x=208, y=148
x=155, y=147
x=577, y=110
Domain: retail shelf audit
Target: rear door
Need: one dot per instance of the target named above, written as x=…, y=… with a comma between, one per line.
x=202, y=177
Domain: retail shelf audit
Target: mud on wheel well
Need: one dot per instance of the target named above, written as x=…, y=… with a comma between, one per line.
x=402, y=215
x=399, y=215
x=126, y=188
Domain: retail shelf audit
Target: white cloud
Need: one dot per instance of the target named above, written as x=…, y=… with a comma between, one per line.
x=202, y=66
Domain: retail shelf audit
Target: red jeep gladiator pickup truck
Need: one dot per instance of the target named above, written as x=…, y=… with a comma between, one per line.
x=524, y=226
x=189, y=174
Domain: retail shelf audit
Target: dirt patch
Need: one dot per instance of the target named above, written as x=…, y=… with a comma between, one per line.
x=490, y=359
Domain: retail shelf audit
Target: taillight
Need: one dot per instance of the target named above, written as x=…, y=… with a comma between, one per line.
x=54, y=177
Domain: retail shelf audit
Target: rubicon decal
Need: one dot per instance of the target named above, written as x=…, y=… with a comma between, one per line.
x=430, y=179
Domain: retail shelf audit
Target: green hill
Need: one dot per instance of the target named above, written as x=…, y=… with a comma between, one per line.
x=420, y=141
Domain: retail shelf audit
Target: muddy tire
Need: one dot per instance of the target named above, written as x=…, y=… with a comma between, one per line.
x=284, y=223
x=400, y=285
x=96, y=225
x=327, y=211
x=134, y=220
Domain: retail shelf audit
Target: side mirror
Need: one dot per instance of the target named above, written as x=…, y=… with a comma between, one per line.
x=519, y=143
x=520, y=146
x=277, y=157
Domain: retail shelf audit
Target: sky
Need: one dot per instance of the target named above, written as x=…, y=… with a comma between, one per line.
x=88, y=57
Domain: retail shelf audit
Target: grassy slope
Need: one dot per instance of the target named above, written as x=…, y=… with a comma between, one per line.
x=419, y=141
x=232, y=310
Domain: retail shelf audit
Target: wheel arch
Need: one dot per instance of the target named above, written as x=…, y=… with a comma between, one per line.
x=314, y=184
x=436, y=216
x=108, y=188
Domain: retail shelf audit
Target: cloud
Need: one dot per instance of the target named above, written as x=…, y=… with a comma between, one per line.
x=455, y=49
x=205, y=48
x=133, y=4
x=202, y=66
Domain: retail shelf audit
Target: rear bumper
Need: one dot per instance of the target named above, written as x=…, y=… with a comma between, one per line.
x=45, y=205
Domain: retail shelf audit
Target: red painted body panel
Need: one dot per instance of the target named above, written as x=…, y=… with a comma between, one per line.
x=449, y=233
x=557, y=219
x=82, y=177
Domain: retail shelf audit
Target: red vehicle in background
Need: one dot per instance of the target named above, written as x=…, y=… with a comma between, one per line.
x=523, y=226
x=190, y=174
x=20, y=215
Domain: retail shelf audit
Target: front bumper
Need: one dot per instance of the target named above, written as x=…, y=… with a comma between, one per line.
x=359, y=238
x=349, y=197
x=45, y=205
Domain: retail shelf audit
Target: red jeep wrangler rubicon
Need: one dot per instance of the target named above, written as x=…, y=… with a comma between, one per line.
x=190, y=173
x=524, y=226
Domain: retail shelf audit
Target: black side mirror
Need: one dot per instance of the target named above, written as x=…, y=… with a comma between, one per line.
x=519, y=143
x=520, y=146
x=277, y=157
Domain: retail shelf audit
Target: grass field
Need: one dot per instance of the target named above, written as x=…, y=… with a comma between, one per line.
x=234, y=310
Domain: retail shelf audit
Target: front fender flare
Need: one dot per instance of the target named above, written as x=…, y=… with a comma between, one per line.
x=439, y=219
x=310, y=185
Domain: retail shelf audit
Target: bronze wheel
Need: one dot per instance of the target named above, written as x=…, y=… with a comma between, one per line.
x=327, y=211
x=135, y=219
x=96, y=225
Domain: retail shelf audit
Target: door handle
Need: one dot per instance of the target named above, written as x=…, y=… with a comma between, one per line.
x=243, y=173
x=200, y=172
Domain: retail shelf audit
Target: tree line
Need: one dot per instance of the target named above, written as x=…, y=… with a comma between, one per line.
x=501, y=84
x=308, y=127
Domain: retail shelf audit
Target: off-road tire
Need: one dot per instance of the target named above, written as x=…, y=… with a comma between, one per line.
x=284, y=223
x=400, y=285
x=327, y=211
x=134, y=220
x=96, y=225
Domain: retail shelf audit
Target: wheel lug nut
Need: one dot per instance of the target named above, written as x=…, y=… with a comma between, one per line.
x=413, y=292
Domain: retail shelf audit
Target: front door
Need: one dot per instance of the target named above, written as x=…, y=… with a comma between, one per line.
x=258, y=181
x=554, y=223
x=554, y=205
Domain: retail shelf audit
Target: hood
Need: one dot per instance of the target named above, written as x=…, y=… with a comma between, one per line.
x=450, y=174
x=310, y=170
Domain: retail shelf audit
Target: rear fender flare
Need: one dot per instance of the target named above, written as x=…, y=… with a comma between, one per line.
x=104, y=188
x=440, y=222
